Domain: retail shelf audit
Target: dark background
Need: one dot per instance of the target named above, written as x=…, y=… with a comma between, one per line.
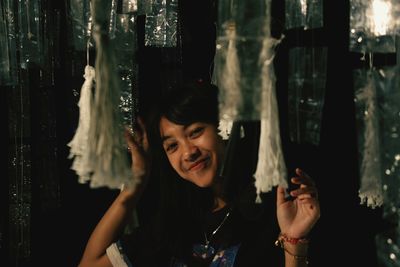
x=344, y=235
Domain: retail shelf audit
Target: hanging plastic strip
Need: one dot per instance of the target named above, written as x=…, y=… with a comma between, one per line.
x=79, y=11
x=161, y=24
x=20, y=179
x=366, y=102
x=5, y=62
x=9, y=56
x=125, y=42
x=30, y=32
x=246, y=80
x=307, y=82
x=387, y=82
x=108, y=158
x=307, y=14
x=373, y=25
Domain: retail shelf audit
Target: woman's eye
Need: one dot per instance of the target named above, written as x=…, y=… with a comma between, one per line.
x=196, y=132
x=171, y=147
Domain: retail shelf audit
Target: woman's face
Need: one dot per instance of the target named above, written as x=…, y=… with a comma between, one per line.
x=194, y=151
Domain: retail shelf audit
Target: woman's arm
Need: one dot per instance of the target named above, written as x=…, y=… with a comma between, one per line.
x=109, y=228
x=116, y=217
x=296, y=218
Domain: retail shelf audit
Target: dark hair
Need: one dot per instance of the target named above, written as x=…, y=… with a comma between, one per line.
x=183, y=205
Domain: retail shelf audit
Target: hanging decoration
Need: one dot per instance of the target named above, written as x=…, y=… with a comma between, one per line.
x=244, y=74
x=79, y=144
x=30, y=32
x=307, y=14
x=388, y=242
x=125, y=43
x=8, y=56
x=370, y=191
x=307, y=81
x=271, y=168
x=373, y=25
x=162, y=23
x=229, y=82
x=108, y=158
x=81, y=20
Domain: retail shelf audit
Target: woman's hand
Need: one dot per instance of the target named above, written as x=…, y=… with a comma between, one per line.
x=138, y=146
x=296, y=217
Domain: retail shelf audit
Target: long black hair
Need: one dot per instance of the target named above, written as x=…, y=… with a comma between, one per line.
x=183, y=205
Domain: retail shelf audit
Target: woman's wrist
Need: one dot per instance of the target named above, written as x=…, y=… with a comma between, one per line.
x=295, y=248
x=130, y=196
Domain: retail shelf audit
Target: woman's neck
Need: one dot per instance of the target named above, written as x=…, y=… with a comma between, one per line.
x=219, y=204
x=219, y=201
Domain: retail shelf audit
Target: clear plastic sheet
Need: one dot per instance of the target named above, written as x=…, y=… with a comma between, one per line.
x=8, y=56
x=81, y=19
x=19, y=173
x=304, y=13
x=125, y=47
x=145, y=7
x=387, y=81
x=307, y=80
x=113, y=19
x=388, y=252
x=30, y=32
x=162, y=24
x=4, y=56
x=130, y=6
x=242, y=32
x=373, y=25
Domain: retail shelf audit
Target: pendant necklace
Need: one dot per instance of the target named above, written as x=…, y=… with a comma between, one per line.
x=205, y=250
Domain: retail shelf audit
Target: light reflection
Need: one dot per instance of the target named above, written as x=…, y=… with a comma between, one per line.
x=381, y=17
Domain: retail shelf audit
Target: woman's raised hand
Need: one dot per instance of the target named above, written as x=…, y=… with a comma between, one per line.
x=297, y=216
x=138, y=146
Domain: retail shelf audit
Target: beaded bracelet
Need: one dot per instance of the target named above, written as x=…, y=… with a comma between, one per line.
x=282, y=238
x=292, y=240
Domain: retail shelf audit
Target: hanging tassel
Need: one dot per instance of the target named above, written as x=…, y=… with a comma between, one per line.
x=370, y=191
x=230, y=86
x=108, y=155
x=79, y=143
x=271, y=168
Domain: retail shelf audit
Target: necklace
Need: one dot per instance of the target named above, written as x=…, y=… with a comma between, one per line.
x=205, y=250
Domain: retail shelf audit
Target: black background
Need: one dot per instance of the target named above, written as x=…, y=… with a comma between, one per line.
x=344, y=235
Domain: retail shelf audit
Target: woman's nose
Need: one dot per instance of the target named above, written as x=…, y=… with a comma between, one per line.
x=191, y=152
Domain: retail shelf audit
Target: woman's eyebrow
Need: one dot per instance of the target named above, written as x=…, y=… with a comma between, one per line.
x=166, y=137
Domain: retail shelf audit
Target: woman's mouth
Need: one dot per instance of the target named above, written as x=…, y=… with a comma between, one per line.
x=198, y=165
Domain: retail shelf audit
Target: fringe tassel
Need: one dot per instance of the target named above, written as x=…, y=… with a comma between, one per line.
x=108, y=159
x=370, y=191
x=230, y=84
x=79, y=143
x=271, y=168
x=107, y=148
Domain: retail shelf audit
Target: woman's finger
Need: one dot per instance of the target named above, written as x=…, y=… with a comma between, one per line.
x=302, y=178
x=144, y=139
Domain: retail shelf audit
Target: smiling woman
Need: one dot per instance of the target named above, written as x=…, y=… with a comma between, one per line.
x=200, y=221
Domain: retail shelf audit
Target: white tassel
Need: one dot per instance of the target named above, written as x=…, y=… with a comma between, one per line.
x=107, y=148
x=371, y=180
x=271, y=168
x=229, y=86
x=79, y=143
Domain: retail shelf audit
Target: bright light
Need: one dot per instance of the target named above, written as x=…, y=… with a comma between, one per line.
x=381, y=17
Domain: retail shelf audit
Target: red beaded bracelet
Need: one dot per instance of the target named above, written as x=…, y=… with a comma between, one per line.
x=292, y=240
x=282, y=238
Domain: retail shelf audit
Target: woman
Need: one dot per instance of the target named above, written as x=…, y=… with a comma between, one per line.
x=203, y=218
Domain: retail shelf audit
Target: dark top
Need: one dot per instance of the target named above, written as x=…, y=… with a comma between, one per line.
x=246, y=239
